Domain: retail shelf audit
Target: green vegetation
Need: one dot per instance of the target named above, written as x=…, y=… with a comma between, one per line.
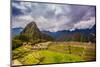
x=32, y=46
x=18, y=40
x=16, y=43
x=48, y=57
x=57, y=52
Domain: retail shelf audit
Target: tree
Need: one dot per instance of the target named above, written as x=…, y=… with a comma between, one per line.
x=16, y=43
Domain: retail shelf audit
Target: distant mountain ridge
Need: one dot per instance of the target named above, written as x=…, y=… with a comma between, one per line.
x=16, y=31
x=64, y=35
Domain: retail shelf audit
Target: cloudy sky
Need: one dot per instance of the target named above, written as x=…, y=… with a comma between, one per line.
x=53, y=17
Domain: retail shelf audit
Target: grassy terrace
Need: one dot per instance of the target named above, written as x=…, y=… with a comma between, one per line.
x=56, y=53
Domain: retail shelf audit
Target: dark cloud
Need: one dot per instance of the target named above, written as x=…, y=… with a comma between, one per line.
x=16, y=11
x=78, y=12
x=54, y=17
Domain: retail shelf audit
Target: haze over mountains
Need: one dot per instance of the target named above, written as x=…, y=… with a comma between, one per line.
x=67, y=35
x=64, y=35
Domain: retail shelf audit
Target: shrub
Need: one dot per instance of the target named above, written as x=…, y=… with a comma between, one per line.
x=16, y=43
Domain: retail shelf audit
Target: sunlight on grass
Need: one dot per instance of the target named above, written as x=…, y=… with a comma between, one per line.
x=56, y=53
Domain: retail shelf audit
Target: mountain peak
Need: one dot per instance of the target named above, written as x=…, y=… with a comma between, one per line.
x=31, y=28
x=32, y=24
x=32, y=32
